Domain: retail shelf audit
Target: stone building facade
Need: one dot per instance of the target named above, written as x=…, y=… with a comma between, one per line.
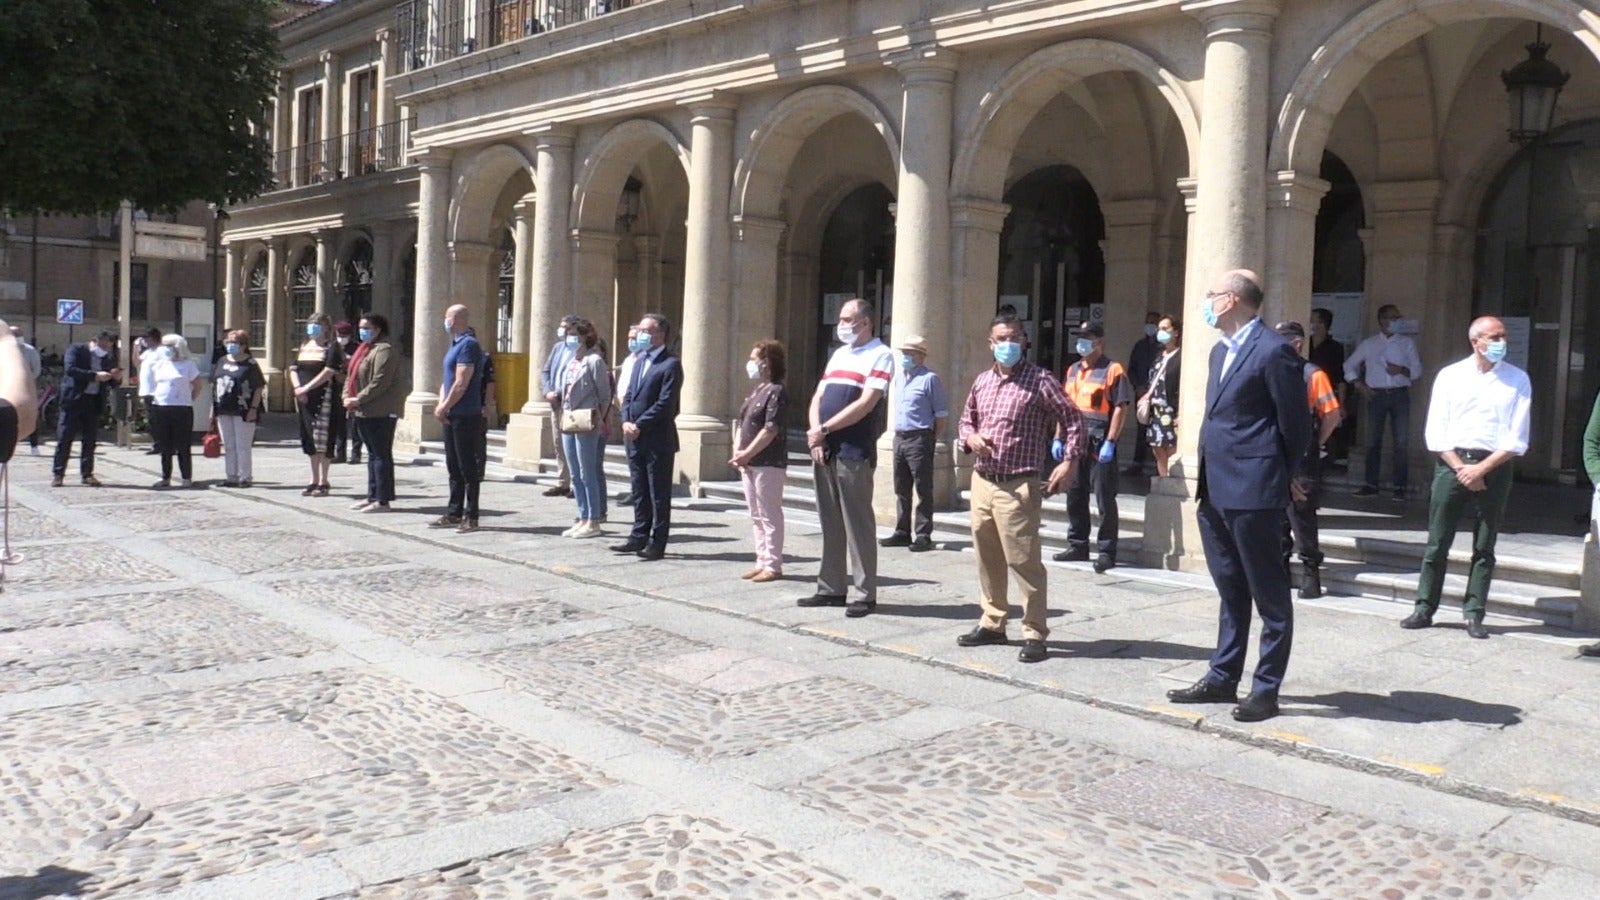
x=741, y=165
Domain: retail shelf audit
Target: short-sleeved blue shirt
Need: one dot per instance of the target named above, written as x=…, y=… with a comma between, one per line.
x=465, y=352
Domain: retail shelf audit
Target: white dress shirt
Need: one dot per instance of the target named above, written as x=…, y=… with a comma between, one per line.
x=1369, y=363
x=1234, y=343
x=1476, y=410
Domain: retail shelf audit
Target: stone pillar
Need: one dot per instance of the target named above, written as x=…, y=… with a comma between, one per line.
x=647, y=248
x=1130, y=256
x=594, y=267
x=522, y=274
x=1227, y=230
x=473, y=284
x=755, y=273
x=922, y=291
x=1293, y=199
x=975, y=252
x=529, y=437
x=1400, y=252
x=234, y=313
x=276, y=354
x=383, y=274
x=707, y=312
x=433, y=282
x=325, y=267
x=332, y=92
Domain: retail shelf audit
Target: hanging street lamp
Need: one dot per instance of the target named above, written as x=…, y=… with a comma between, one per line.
x=1533, y=86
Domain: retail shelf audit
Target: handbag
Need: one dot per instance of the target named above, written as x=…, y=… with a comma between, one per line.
x=211, y=444
x=578, y=421
x=1142, y=410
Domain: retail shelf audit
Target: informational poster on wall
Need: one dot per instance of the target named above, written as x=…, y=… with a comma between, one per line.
x=831, y=304
x=1097, y=314
x=1349, y=316
x=1519, y=337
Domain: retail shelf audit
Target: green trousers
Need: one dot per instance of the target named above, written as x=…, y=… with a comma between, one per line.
x=1445, y=505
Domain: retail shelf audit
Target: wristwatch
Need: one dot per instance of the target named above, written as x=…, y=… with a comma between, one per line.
x=823, y=430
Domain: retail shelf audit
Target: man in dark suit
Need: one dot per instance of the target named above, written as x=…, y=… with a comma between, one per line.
x=91, y=373
x=1252, y=440
x=649, y=422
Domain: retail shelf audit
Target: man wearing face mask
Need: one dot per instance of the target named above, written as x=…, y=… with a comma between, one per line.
x=1323, y=349
x=1478, y=424
x=91, y=373
x=1012, y=411
x=1100, y=390
x=843, y=439
x=650, y=401
x=551, y=381
x=460, y=410
x=1141, y=359
x=1253, y=440
x=1382, y=369
x=920, y=408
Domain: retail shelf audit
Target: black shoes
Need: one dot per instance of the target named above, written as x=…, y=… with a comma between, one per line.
x=1368, y=490
x=632, y=546
x=922, y=545
x=558, y=491
x=980, y=636
x=1032, y=651
x=1476, y=630
x=652, y=552
x=859, y=608
x=1417, y=620
x=1590, y=650
x=898, y=539
x=1258, y=707
x=1080, y=554
x=1206, y=691
x=1310, y=583
x=821, y=600
x=1103, y=562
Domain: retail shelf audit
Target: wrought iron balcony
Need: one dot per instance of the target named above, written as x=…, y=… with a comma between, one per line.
x=432, y=31
x=365, y=151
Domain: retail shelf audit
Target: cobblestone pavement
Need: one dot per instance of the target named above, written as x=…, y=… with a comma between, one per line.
x=212, y=693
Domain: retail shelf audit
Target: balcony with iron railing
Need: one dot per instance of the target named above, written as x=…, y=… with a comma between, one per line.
x=432, y=31
x=365, y=151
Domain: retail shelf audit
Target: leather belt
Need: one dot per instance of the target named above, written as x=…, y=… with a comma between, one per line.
x=1473, y=456
x=1002, y=479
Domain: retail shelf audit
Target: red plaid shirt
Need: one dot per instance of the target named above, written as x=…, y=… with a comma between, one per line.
x=1019, y=414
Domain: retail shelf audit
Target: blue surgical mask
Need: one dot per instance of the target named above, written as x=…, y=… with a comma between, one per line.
x=448, y=329
x=166, y=352
x=1008, y=353
x=1084, y=346
x=907, y=362
x=231, y=348
x=365, y=334
x=1163, y=336
x=1208, y=311
x=572, y=341
x=313, y=329
x=752, y=369
x=1495, y=351
x=640, y=343
x=561, y=331
x=1149, y=331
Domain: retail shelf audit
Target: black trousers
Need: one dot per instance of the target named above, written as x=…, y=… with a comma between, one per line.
x=78, y=421
x=650, y=476
x=463, y=447
x=1300, y=526
x=913, y=467
x=1099, y=479
x=172, y=428
x=1241, y=552
x=377, y=433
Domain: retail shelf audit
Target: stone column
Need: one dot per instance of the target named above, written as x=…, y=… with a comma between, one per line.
x=332, y=92
x=383, y=274
x=473, y=284
x=529, y=437
x=975, y=227
x=234, y=313
x=1400, y=253
x=1293, y=199
x=707, y=371
x=647, y=248
x=325, y=267
x=522, y=274
x=594, y=266
x=433, y=282
x=755, y=272
x=276, y=354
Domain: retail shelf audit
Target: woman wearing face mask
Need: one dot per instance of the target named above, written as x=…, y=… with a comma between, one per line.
x=1165, y=377
x=762, y=457
x=314, y=378
x=587, y=387
x=239, y=385
x=375, y=397
x=174, y=380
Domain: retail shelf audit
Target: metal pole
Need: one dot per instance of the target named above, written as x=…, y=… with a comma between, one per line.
x=125, y=311
x=33, y=283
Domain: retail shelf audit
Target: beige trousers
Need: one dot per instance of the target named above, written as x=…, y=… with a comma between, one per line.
x=1005, y=534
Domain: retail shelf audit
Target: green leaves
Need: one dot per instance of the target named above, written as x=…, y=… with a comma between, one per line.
x=148, y=100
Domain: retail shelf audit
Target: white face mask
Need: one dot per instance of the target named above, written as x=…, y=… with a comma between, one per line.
x=846, y=333
x=99, y=351
x=752, y=369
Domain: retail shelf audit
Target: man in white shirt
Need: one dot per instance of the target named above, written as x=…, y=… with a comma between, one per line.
x=1382, y=369
x=624, y=377
x=1478, y=424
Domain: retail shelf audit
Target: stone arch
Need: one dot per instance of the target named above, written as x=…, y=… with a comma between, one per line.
x=605, y=170
x=478, y=186
x=1008, y=109
x=760, y=175
x=1347, y=56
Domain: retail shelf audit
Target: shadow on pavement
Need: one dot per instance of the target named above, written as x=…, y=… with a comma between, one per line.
x=50, y=881
x=1411, y=707
x=1135, y=649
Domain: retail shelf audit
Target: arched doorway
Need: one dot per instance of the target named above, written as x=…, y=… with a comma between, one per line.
x=857, y=260
x=355, y=283
x=1052, y=270
x=505, y=291
x=1339, y=264
x=302, y=299
x=1538, y=259
x=256, y=304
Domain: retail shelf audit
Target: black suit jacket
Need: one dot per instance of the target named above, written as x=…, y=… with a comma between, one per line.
x=1257, y=424
x=79, y=374
x=652, y=404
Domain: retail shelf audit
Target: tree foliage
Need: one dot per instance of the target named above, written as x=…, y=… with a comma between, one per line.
x=147, y=100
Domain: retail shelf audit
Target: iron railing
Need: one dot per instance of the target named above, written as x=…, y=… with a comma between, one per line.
x=432, y=31
x=365, y=151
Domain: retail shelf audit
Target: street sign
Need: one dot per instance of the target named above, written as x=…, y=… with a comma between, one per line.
x=166, y=229
x=69, y=312
x=163, y=240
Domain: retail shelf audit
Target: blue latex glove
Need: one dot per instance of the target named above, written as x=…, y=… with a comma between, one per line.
x=1108, y=451
x=1058, y=450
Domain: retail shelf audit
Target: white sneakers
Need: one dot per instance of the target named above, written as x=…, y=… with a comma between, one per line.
x=583, y=530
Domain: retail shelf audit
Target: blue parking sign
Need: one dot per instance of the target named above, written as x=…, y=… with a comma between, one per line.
x=69, y=312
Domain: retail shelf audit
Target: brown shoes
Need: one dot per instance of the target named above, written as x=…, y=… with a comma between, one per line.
x=90, y=481
x=468, y=526
x=752, y=573
x=57, y=481
x=764, y=576
x=445, y=522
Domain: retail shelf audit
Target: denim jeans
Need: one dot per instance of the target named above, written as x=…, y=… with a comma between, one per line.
x=583, y=464
x=377, y=434
x=1395, y=407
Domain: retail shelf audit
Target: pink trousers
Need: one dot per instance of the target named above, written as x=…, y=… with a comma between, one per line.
x=763, y=494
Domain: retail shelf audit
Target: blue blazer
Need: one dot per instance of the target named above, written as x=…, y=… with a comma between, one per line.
x=79, y=374
x=1257, y=424
x=652, y=405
